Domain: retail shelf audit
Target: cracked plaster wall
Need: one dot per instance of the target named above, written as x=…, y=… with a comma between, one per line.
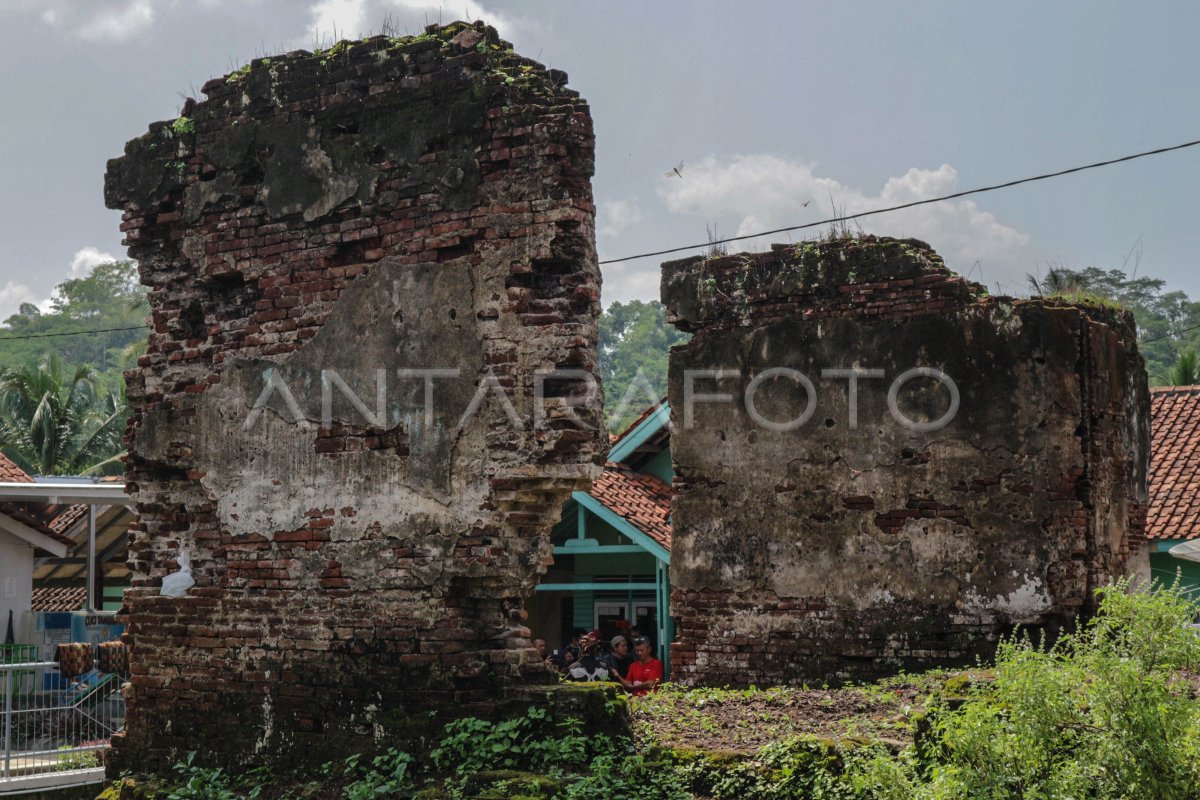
x=838, y=551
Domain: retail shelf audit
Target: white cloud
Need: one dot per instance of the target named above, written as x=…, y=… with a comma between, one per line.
x=614, y=216
x=95, y=20
x=762, y=192
x=86, y=259
x=12, y=296
x=118, y=23
x=350, y=19
x=630, y=280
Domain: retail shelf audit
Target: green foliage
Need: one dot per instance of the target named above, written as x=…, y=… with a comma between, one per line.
x=389, y=773
x=201, y=783
x=529, y=742
x=1104, y=713
x=109, y=297
x=62, y=395
x=801, y=766
x=58, y=421
x=86, y=759
x=240, y=74
x=183, y=126
x=1186, y=371
x=635, y=340
x=630, y=778
x=1161, y=316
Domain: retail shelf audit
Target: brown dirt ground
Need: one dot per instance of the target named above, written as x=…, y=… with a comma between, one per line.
x=745, y=720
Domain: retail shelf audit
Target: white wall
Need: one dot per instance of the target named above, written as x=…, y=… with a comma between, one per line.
x=16, y=586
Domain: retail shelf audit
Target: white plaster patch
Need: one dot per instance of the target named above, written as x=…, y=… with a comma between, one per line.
x=1024, y=604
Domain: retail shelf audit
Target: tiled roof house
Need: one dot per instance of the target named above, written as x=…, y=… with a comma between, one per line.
x=612, y=549
x=1173, y=517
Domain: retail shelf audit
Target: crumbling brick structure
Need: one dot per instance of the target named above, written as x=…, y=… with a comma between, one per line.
x=849, y=528
x=317, y=235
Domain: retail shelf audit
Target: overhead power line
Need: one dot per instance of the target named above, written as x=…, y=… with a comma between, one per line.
x=913, y=204
x=1169, y=334
x=831, y=220
x=70, y=333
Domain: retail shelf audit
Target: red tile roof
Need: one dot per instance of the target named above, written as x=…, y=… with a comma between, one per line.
x=644, y=500
x=65, y=518
x=11, y=473
x=29, y=514
x=1174, y=463
x=58, y=598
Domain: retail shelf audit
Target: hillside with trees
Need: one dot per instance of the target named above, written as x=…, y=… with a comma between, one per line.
x=62, y=393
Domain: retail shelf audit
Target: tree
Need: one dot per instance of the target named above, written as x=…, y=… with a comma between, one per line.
x=1186, y=371
x=1168, y=322
x=106, y=287
x=55, y=421
x=106, y=300
x=635, y=340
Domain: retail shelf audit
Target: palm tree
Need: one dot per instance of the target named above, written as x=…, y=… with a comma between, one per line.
x=1186, y=371
x=1058, y=281
x=137, y=348
x=52, y=423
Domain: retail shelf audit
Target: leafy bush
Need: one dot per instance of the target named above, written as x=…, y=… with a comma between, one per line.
x=390, y=773
x=530, y=742
x=629, y=778
x=207, y=783
x=1107, y=712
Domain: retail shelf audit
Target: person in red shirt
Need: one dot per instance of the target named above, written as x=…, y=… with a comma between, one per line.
x=646, y=672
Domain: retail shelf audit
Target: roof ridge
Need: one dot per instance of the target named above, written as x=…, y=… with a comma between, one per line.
x=1190, y=389
x=640, y=418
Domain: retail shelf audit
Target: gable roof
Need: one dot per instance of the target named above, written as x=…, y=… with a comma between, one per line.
x=1174, y=511
x=71, y=522
x=63, y=519
x=651, y=424
x=643, y=500
x=37, y=516
x=11, y=473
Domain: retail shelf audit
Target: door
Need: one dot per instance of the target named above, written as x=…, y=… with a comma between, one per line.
x=611, y=619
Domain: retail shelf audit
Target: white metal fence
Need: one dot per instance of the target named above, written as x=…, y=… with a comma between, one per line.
x=55, y=728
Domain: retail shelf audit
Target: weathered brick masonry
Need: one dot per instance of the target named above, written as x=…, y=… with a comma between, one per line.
x=386, y=205
x=839, y=551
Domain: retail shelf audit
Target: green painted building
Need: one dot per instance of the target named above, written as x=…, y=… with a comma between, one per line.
x=612, y=547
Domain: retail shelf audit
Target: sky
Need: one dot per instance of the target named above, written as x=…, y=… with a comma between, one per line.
x=779, y=112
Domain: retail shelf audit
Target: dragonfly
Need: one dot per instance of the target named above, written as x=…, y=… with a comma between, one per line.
x=677, y=172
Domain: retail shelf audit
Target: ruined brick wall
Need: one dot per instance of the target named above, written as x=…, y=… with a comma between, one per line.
x=847, y=548
x=319, y=225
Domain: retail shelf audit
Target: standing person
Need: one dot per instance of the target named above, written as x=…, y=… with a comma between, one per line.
x=646, y=672
x=619, y=659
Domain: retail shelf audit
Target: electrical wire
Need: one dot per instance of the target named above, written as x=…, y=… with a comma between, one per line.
x=1169, y=334
x=70, y=333
x=913, y=204
x=845, y=218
